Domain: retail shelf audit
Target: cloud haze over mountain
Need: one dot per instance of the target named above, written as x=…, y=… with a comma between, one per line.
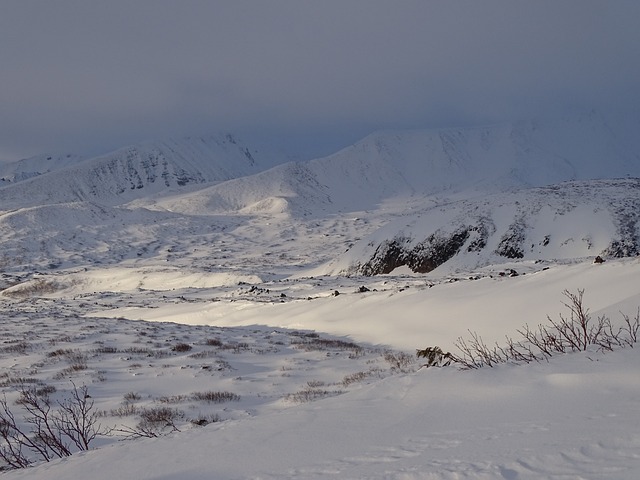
x=90, y=77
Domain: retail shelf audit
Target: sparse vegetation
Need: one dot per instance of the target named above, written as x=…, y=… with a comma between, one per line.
x=154, y=422
x=36, y=287
x=574, y=333
x=400, y=361
x=359, y=377
x=309, y=394
x=181, y=347
x=127, y=409
x=19, y=347
x=132, y=397
x=311, y=343
x=435, y=357
x=215, y=397
x=53, y=429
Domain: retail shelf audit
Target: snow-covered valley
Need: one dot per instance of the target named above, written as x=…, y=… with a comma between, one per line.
x=257, y=305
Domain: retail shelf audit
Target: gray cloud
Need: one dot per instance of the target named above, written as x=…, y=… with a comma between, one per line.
x=91, y=76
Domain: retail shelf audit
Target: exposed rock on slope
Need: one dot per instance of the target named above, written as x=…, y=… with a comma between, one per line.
x=569, y=220
x=142, y=170
x=388, y=164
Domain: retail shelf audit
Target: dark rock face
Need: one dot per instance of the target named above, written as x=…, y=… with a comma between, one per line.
x=435, y=250
x=427, y=255
x=511, y=243
x=628, y=244
x=622, y=248
x=475, y=229
x=388, y=256
x=482, y=231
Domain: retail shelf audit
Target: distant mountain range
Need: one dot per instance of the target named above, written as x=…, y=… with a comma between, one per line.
x=131, y=172
x=472, y=195
x=445, y=162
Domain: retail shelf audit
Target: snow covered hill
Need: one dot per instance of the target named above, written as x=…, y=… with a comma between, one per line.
x=564, y=221
x=24, y=169
x=141, y=170
x=401, y=164
x=193, y=195
x=189, y=279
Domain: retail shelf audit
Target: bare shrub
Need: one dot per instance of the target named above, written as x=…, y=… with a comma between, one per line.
x=138, y=351
x=154, y=422
x=60, y=352
x=132, y=397
x=435, y=357
x=236, y=347
x=311, y=342
x=19, y=347
x=106, y=349
x=474, y=353
x=215, y=397
x=173, y=399
x=213, y=342
x=70, y=370
x=204, y=354
x=310, y=394
x=19, y=381
x=315, y=383
x=54, y=430
x=77, y=360
x=358, y=377
x=629, y=331
x=181, y=347
x=45, y=390
x=125, y=410
x=577, y=332
x=400, y=361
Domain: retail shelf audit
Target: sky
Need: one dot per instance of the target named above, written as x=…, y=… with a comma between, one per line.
x=90, y=77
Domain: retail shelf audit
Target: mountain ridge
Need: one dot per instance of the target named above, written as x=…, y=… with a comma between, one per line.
x=564, y=221
x=139, y=170
x=427, y=162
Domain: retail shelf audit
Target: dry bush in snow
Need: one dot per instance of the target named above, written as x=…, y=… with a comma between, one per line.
x=573, y=333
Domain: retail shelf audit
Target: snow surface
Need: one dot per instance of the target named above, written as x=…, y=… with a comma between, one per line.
x=573, y=417
x=100, y=288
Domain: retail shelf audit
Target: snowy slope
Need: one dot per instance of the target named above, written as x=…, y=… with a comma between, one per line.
x=110, y=263
x=143, y=170
x=575, y=416
x=564, y=221
x=196, y=197
x=401, y=164
x=32, y=167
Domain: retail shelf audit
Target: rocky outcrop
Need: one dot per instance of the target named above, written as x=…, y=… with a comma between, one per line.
x=422, y=257
x=511, y=243
x=564, y=221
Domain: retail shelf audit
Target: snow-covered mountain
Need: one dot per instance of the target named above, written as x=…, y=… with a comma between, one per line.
x=187, y=279
x=26, y=168
x=445, y=161
x=564, y=221
x=133, y=202
x=137, y=171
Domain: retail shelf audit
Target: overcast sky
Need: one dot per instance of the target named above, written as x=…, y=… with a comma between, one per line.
x=91, y=76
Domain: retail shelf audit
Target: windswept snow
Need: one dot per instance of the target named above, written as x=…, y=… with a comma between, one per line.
x=572, y=417
x=190, y=275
